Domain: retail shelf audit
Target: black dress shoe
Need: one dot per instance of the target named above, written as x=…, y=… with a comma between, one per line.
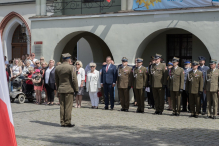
x=156, y=113
x=196, y=116
x=160, y=113
x=192, y=116
x=111, y=109
x=208, y=117
x=122, y=109
x=138, y=111
x=214, y=117
x=62, y=125
x=70, y=125
x=184, y=111
x=177, y=115
x=173, y=114
x=105, y=108
x=203, y=113
x=126, y=110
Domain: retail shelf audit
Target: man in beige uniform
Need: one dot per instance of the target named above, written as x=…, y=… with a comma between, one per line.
x=176, y=84
x=67, y=84
x=139, y=84
x=194, y=86
x=124, y=82
x=158, y=81
x=212, y=88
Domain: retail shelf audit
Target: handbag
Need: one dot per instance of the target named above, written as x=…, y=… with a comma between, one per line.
x=99, y=94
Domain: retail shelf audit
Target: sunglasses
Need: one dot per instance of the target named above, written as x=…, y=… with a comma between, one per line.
x=92, y=66
x=41, y=59
x=37, y=63
x=77, y=64
x=32, y=55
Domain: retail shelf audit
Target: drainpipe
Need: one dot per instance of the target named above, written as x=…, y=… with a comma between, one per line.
x=43, y=7
x=38, y=9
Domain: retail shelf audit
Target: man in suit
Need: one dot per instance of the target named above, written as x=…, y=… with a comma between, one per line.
x=124, y=82
x=185, y=96
x=203, y=69
x=108, y=82
x=158, y=81
x=133, y=67
x=211, y=87
x=194, y=87
x=139, y=84
x=67, y=84
x=176, y=84
x=150, y=94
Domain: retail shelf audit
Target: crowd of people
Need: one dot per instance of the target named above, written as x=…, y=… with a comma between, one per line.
x=195, y=86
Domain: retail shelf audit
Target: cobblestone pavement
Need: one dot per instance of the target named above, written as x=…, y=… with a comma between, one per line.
x=39, y=125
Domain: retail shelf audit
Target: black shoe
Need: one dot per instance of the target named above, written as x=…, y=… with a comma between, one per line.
x=70, y=125
x=192, y=116
x=184, y=111
x=196, y=116
x=160, y=113
x=150, y=108
x=62, y=125
x=214, y=117
x=126, y=110
x=156, y=113
x=122, y=109
x=138, y=111
x=173, y=114
x=111, y=109
x=203, y=113
x=208, y=117
x=177, y=115
x=105, y=108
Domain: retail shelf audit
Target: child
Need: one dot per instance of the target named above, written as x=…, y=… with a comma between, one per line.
x=37, y=80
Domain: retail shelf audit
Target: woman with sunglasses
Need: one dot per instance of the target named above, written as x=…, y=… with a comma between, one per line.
x=33, y=60
x=38, y=65
x=81, y=78
x=16, y=71
x=93, y=85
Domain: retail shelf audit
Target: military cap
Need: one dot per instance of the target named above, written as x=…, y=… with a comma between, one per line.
x=170, y=63
x=175, y=59
x=201, y=58
x=187, y=62
x=152, y=57
x=93, y=64
x=195, y=63
x=66, y=56
x=139, y=60
x=213, y=61
x=157, y=56
x=124, y=59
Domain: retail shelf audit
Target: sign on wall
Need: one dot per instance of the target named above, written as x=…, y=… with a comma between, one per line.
x=169, y=4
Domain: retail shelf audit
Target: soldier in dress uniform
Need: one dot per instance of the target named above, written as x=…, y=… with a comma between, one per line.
x=185, y=96
x=124, y=82
x=139, y=84
x=67, y=84
x=150, y=94
x=203, y=69
x=158, y=81
x=176, y=84
x=194, y=87
x=211, y=87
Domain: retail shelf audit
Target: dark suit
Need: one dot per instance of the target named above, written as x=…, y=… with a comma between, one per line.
x=150, y=94
x=50, y=87
x=107, y=79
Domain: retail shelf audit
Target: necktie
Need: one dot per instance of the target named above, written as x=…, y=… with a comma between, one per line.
x=107, y=68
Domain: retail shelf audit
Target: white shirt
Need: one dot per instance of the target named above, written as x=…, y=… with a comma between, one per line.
x=15, y=69
x=6, y=62
x=108, y=66
x=158, y=64
x=81, y=76
x=47, y=74
x=31, y=63
x=139, y=67
x=194, y=71
x=25, y=70
x=175, y=67
x=213, y=69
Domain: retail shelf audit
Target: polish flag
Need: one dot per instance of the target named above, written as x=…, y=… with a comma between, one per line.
x=7, y=134
x=108, y=1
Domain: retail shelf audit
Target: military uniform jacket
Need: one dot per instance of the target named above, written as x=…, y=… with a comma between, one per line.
x=139, y=77
x=186, y=72
x=66, y=79
x=194, y=82
x=158, y=76
x=124, y=79
x=176, y=79
x=204, y=70
x=211, y=80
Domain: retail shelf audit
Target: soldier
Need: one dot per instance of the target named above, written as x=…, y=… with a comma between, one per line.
x=176, y=84
x=150, y=94
x=194, y=87
x=211, y=86
x=139, y=84
x=124, y=82
x=67, y=84
x=185, y=96
x=203, y=69
x=158, y=81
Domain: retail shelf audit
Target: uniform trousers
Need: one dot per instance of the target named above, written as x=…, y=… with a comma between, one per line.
x=140, y=99
x=150, y=98
x=66, y=101
x=158, y=94
x=212, y=100
x=194, y=100
x=93, y=98
x=124, y=97
x=176, y=98
x=185, y=98
x=203, y=100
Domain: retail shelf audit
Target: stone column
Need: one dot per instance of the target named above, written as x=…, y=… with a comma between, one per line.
x=43, y=7
x=38, y=9
x=130, y=5
x=123, y=5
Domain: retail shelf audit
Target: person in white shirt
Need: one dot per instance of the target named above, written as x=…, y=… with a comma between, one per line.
x=15, y=71
x=81, y=78
x=5, y=59
x=93, y=85
x=33, y=60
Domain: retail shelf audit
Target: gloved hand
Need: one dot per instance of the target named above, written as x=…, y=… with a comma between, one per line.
x=129, y=87
x=181, y=90
x=200, y=92
x=164, y=86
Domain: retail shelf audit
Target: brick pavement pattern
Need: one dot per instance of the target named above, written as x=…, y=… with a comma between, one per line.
x=37, y=125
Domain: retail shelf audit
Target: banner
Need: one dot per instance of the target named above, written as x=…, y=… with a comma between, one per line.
x=169, y=4
x=7, y=134
x=215, y=2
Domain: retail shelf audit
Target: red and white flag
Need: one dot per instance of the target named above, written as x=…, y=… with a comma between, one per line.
x=7, y=133
x=108, y=1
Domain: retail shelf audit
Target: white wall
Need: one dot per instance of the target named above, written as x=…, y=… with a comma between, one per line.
x=84, y=52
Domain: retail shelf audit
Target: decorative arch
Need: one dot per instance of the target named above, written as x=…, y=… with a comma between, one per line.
x=9, y=17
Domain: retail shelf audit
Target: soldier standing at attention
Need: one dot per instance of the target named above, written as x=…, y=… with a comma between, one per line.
x=203, y=69
x=194, y=87
x=185, y=96
x=150, y=94
x=67, y=84
x=158, y=81
x=176, y=84
x=124, y=82
x=212, y=88
x=139, y=84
